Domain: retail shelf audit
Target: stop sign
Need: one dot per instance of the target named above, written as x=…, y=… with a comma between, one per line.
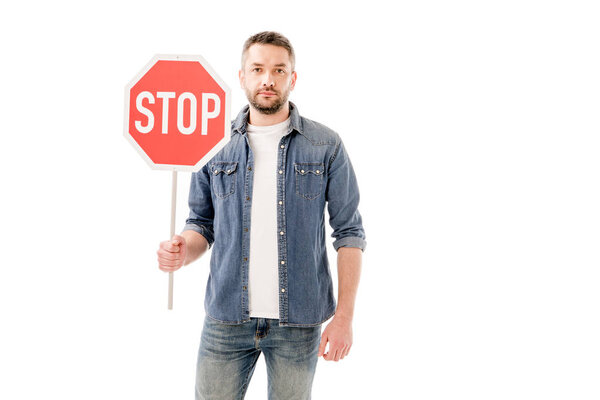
x=177, y=112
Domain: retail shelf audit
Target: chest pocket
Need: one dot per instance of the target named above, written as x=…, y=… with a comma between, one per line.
x=223, y=178
x=309, y=179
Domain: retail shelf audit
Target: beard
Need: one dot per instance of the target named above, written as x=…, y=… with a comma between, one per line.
x=272, y=104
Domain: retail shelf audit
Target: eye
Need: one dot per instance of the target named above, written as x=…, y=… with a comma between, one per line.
x=255, y=69
x=281, y=71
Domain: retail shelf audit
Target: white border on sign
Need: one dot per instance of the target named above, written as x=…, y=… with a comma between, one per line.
x=227, y=119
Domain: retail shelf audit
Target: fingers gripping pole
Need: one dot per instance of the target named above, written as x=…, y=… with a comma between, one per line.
x=173, y=204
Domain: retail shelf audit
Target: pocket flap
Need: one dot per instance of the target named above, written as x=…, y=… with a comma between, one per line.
x=224, y=167
x=310, y=168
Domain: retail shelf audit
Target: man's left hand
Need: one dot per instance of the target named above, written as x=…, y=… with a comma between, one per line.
x=339, y=335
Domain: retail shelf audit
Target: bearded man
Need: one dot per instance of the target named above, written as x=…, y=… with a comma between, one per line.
x=259, y=204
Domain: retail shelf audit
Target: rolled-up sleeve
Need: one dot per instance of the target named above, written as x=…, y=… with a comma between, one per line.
x=342, y=202
x=201, y=207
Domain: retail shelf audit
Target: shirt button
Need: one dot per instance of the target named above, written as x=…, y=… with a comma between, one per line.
x=245, y=229
x=249, y=168
x=302, y=171
x=280, y=202
x=244, y=287
x=245, y=258
x=281, y=233
x=248, y=198
x=282, y=262
x=282, y=290
x=317, y=171
x=282, y=146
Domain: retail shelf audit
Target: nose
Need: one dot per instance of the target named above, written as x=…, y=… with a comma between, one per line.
x=268, y=80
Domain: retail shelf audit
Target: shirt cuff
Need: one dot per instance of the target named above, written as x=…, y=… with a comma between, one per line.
x=350, y=241
x=201, y=230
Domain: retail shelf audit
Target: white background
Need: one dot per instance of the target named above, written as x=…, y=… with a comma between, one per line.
x=473, y=128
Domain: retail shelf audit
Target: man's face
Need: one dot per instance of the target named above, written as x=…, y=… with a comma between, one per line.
x=267, y=77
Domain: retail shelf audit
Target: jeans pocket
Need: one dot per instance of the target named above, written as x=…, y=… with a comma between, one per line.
x=223, y=177
x=309, y=179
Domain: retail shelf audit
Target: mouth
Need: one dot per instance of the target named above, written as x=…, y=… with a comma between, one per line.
x=267, y=93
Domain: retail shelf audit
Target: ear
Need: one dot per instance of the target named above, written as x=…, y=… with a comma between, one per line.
x=241, y=77
x=294, y=77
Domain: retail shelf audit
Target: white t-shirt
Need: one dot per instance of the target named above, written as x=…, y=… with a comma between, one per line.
x=263, y=276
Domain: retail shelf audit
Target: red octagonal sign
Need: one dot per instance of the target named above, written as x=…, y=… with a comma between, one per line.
x=177, y=112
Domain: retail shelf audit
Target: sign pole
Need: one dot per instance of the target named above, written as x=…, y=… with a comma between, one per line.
x=173, y=207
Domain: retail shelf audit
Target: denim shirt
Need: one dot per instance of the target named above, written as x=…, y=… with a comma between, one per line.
x=313, y=170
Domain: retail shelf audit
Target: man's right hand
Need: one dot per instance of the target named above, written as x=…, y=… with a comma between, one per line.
x=171, y=254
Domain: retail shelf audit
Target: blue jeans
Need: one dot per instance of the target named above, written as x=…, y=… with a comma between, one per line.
x=228, y=355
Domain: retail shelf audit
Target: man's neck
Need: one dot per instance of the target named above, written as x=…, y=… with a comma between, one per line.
x=259, y=119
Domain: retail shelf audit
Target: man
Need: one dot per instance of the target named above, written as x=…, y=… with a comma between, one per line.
x=260, y=203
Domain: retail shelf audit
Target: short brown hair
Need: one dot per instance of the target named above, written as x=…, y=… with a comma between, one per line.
x=269, y=37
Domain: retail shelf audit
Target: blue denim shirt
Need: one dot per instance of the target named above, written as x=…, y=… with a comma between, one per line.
x=313, y=171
